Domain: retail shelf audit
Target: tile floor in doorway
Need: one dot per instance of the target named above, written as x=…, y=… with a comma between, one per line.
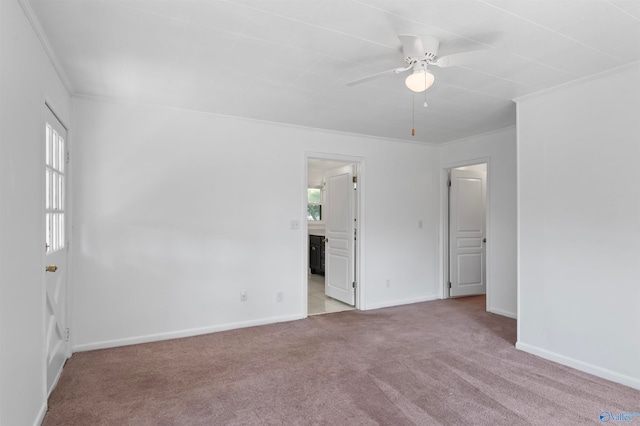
x=318, y=302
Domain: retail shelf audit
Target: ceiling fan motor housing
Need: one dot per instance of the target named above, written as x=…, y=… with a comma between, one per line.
x=425, y=49
x=431, y=46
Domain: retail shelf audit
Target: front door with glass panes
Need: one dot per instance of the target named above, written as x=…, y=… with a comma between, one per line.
x=55, y=136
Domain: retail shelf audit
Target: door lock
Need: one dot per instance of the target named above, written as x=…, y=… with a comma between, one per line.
x=51, y=268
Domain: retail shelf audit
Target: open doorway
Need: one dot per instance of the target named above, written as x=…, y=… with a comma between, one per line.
x=466, y=225
x=332, y=244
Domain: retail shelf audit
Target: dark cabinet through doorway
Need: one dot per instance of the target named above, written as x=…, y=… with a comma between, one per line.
x=316, y=254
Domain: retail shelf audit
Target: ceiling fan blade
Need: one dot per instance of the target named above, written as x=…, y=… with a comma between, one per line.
x=463, y=58
x=378, y=75
x=411, y=46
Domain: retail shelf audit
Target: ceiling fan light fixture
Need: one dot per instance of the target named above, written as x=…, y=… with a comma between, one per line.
x=419, y=81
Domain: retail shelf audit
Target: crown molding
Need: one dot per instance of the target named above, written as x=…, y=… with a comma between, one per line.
x=487, y=133
x=112, y=100
x=592, y=77
x=35, y=24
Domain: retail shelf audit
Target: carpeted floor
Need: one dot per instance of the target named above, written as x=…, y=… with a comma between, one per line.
x=444, y=362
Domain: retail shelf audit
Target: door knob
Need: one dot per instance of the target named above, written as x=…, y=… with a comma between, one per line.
x=51, y=268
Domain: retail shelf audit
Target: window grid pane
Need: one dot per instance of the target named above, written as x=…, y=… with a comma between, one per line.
x=61, y=189
x=47, y=221
x=60, y=154
x=54, y=150
x=54, y=178
x=47, y=185
x=54, y=190
x=48, y=145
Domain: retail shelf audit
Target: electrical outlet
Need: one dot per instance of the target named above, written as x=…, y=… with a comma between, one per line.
x=243, y=296
x=279, y=296
x=388, y=283
x=295, y=224
x=420, y=224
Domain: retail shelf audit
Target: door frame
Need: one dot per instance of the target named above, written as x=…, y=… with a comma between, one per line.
x=64, y=121
x=444, y=222
x=358, y=246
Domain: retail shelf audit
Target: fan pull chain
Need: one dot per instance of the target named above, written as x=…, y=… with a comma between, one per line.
x=413, y=117
x=425, y=90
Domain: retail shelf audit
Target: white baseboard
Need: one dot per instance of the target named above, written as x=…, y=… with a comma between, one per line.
x=391, y=303
x=604, y=373
x=41, y=413
x=56, y=380
x=503, y=313
x=181, y=333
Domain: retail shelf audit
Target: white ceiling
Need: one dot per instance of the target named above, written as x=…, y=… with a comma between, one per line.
x=316, y=168
x=288, y=61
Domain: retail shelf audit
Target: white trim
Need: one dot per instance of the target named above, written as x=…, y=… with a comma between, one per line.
x=43, y=261
x=572, y=83
x=580, y=365
x=518, y=222
x=55, y=381
x=37, y=28
x=182, y=333
x=62, y=122
x=305, y=238
x=501, y=312
x=399, y=302
x=108, y=99
x=69, y=243
x=41, y=413
x=476, y=136
x=444, y=231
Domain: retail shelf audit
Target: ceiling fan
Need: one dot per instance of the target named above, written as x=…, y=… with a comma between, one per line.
x=418, y=54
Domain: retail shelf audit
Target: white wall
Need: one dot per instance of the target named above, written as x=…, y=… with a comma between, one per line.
x=498, y=149
x=26, y=80
x=177, y=212
x=579, y=225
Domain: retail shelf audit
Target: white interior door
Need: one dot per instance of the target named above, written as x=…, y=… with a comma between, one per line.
x=340, y=234
x=56, y=248
x=467, y=212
